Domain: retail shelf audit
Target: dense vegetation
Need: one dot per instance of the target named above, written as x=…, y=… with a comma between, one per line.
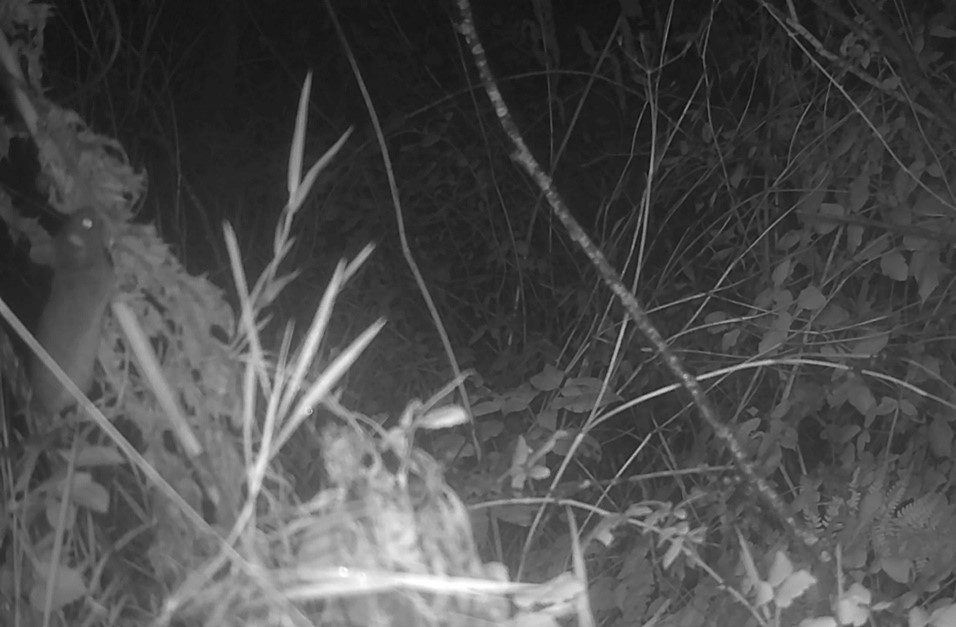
x=773, y=186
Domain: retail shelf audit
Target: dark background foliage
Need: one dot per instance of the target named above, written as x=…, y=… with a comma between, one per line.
x=773, y=187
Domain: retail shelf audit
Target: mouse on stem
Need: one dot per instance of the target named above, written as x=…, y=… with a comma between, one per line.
x=71, y=322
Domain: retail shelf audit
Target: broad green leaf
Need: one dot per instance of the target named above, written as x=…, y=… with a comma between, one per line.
x=519, y=514
x=829, y=209
x=783, y=321
x=488, y=429
x=810, y=203
x=860, y=396
x=894, y=266
x=859, y=192
x=944, y=616
x=89, y=494
x=782, y=299
x=874, y=248
x=737, y=175
x=518, y=399
x=781, y=568
x=927, y=269
x=673, y=551
x=52, y=510
x=781, y=272
x=548, y=379
x=793, y=587
x=942, y=31
x=890, y=84
x=772, y=340
x=811, y=298
x=789, y=239
x=68, y=586
x=832, y=316
x=730, y=339
x=941, y=438
x=903, y=184
x=713, y=320
x=853, y=608
x=764, y=593
x=589, y=448
x=871, y=346
x=930, y=204
x=548, y=419
x=95, y=455
x=898, y=569
x=486, y=407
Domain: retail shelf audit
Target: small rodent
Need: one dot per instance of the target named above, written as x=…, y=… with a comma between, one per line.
x=71, y=322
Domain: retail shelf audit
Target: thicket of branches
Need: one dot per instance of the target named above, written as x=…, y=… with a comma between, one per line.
x=772, y=182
